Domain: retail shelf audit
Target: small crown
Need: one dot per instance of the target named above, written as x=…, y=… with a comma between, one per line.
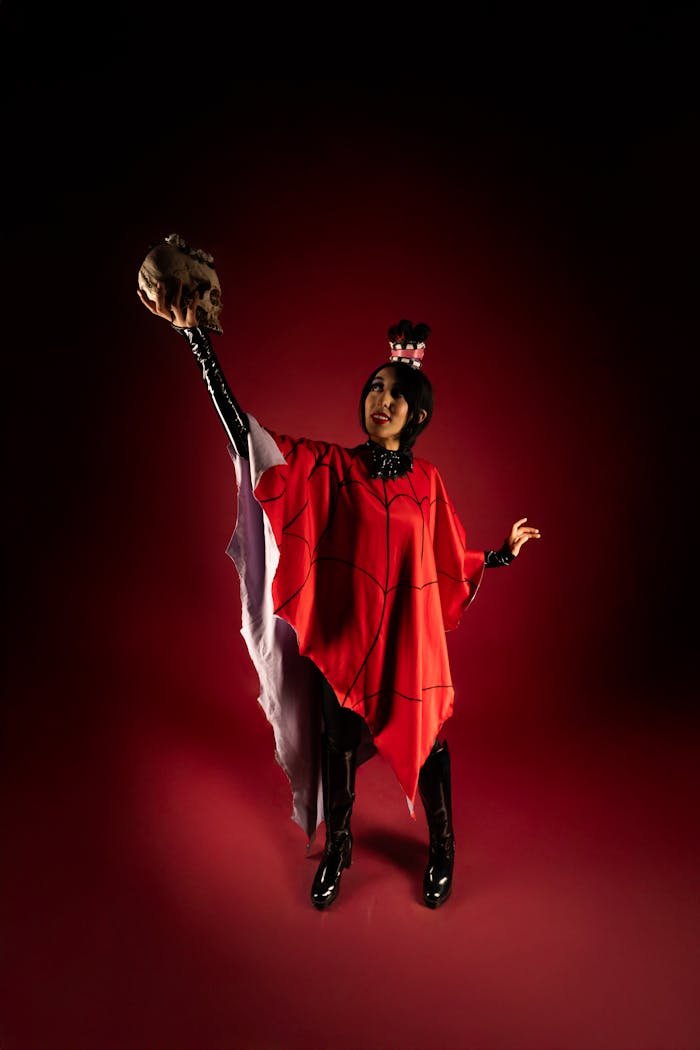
x=407, y=343
x=407, y=353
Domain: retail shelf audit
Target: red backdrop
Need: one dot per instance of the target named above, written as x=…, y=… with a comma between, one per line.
x=155, y=889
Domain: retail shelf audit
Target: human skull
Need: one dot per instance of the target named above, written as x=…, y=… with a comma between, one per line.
x=171, y=261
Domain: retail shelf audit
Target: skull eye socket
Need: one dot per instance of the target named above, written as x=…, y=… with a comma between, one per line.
x=215, y=297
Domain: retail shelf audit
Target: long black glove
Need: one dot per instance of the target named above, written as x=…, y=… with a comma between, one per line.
x=232, y=416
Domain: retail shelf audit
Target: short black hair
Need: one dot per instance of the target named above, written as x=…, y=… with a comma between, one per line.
x=418, y=391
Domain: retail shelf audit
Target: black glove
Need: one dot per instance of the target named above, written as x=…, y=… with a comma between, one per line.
x=234, y=419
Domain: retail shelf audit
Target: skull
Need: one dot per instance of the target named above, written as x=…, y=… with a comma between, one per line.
x=173, y=260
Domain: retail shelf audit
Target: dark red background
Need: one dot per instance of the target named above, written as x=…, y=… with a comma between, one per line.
x=155, y=892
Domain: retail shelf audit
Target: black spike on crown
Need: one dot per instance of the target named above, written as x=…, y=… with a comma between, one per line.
x=407, y=342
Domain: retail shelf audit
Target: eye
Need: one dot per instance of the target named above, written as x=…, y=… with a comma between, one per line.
x=396, y=392
x=377, y=385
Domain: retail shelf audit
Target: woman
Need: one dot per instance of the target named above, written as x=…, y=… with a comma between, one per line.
x=353, y=565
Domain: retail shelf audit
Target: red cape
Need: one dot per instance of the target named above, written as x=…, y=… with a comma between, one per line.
x=371, y=575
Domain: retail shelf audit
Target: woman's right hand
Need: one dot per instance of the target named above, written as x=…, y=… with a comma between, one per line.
x=174, y=313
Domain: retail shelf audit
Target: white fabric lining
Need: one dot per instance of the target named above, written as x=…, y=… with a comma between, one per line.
x=287, y=680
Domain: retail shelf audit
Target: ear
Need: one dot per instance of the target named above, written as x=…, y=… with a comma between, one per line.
x=421, y=415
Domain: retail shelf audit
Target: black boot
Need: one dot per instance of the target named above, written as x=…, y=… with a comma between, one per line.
x=435, y=788
x=338, y=779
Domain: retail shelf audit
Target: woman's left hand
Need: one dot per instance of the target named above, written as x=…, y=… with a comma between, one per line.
x=520, y=533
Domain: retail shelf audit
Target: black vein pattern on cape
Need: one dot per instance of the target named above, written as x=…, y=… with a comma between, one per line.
x=337, y=483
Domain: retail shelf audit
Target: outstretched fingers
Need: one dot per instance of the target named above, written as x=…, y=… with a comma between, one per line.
x=520, y=533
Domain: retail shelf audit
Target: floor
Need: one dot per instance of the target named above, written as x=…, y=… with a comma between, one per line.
x=156, y=892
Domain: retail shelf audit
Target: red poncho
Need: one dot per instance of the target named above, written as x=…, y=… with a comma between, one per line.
x=369, y=575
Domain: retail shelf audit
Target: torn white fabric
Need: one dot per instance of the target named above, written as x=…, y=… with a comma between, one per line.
x=287, y=680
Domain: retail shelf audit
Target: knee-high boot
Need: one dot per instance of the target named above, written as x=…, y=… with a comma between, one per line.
x=338, y=768
x=434, y=784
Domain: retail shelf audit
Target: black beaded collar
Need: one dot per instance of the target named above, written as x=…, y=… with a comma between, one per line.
x=387, y=463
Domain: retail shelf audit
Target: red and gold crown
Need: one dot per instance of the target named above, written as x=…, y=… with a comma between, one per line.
x=407, y=343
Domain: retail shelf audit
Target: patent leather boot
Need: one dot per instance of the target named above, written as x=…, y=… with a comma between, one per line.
x=434, y=785
x=338, y=780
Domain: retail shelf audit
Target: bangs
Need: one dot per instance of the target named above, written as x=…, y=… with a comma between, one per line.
x=417, y=390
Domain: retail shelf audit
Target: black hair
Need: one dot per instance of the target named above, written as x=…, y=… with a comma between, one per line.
x=414, y=383
x=416, y=388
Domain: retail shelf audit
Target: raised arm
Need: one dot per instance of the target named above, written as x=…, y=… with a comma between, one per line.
x=230, y=413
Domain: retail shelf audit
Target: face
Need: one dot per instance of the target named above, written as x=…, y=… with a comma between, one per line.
x=386, y=409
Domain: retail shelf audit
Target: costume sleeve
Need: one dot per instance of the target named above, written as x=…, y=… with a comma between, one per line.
x=285, y=490
x=459, y=568
x=297, y=496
